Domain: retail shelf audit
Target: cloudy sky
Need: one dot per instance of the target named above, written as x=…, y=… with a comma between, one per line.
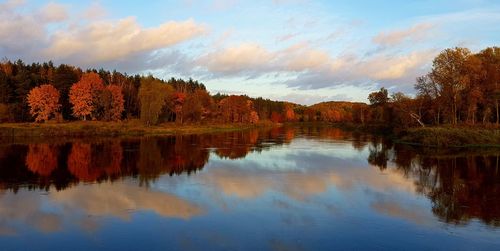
x=303, y=51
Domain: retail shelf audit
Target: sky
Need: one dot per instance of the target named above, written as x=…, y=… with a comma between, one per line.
x=302, y=51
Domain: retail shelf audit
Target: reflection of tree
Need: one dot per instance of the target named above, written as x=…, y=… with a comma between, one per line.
x=379, y=153
x=468, y=187
x=172, y=155
x=150, y=160
x=461, y=187
x=96, y=160
x=41, y=159
x=79, y=162
x=89, y=162
x=234, y=145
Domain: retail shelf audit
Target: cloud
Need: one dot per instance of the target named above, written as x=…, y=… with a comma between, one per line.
x=94, y=11
x=246, y=57
x=84, y=40
x=412, y=34
x=53, y=12
x=108, y=40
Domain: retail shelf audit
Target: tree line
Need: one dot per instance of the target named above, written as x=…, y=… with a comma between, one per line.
x=42, y=91
x=461, y=88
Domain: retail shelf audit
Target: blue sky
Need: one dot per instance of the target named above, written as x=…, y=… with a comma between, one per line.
x=303, y=51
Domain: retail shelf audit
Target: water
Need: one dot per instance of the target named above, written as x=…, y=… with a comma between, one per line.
x=297, y=188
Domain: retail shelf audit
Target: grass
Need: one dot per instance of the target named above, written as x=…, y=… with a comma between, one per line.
x=128, y=128
x=446, y=136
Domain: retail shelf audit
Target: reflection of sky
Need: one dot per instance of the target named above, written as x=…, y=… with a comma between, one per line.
x=306, y=195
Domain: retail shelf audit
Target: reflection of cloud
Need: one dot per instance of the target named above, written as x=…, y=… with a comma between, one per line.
x=26, y=207
x=77, y=203
x=412, y=212
x=119, y=199
x=318, y=172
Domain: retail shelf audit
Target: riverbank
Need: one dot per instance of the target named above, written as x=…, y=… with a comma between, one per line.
x=126, y=128
x=436, y=137
x=450, y=137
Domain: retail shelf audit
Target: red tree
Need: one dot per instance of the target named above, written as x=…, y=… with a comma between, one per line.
x=43, y=102
x=117, y=103
x=84, y=94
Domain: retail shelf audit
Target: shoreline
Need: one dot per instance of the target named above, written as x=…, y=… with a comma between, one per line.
x=439, y=137
x=115, y=129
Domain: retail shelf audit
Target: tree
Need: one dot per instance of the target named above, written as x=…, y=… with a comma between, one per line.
x=64, y=77
x=379, y=98
x=197, y=106
x=179, y=99
x=84, y=95
x=43, y=102
x=429, y=93
x=152, y=96
x=449, y=71
x=237, y=109
x=112, y=103
x=404, y=107
x=490, y=58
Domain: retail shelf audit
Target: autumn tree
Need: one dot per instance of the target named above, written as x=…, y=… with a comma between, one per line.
x=43, y=102
x=111, y=103
x=429, y=95
x=84, y=95
x=152, y=96
x=449, y=71
x=289, y=112
x=178, y=102
x=237, y=109
x=198, y=106
x=490, y=58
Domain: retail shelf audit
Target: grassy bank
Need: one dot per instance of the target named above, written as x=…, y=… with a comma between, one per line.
x=129, y=128
x=450, y=137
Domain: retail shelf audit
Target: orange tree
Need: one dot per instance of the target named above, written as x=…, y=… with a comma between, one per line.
x=43, y=102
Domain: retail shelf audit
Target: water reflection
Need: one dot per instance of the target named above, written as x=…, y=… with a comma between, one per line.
x=305, y=178
x=461, y=185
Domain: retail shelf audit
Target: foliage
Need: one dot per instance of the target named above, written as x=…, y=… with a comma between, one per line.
x=84, y=95
x=43, y=102
x=152, y=96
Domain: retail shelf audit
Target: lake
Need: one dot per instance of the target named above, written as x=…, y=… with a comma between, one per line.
x=289, y=188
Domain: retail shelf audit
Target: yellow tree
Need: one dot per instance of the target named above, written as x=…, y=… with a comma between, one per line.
x=152, y=96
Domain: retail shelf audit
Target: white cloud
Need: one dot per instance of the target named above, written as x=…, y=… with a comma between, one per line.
x=414, y=33
x=107, y=40
x=246, y=57
x=83, y=40
x=53, y=12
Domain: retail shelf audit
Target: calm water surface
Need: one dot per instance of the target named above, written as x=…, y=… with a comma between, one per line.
x=309, y=188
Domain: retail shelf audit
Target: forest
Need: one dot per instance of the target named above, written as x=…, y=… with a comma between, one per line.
x=461, y=88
